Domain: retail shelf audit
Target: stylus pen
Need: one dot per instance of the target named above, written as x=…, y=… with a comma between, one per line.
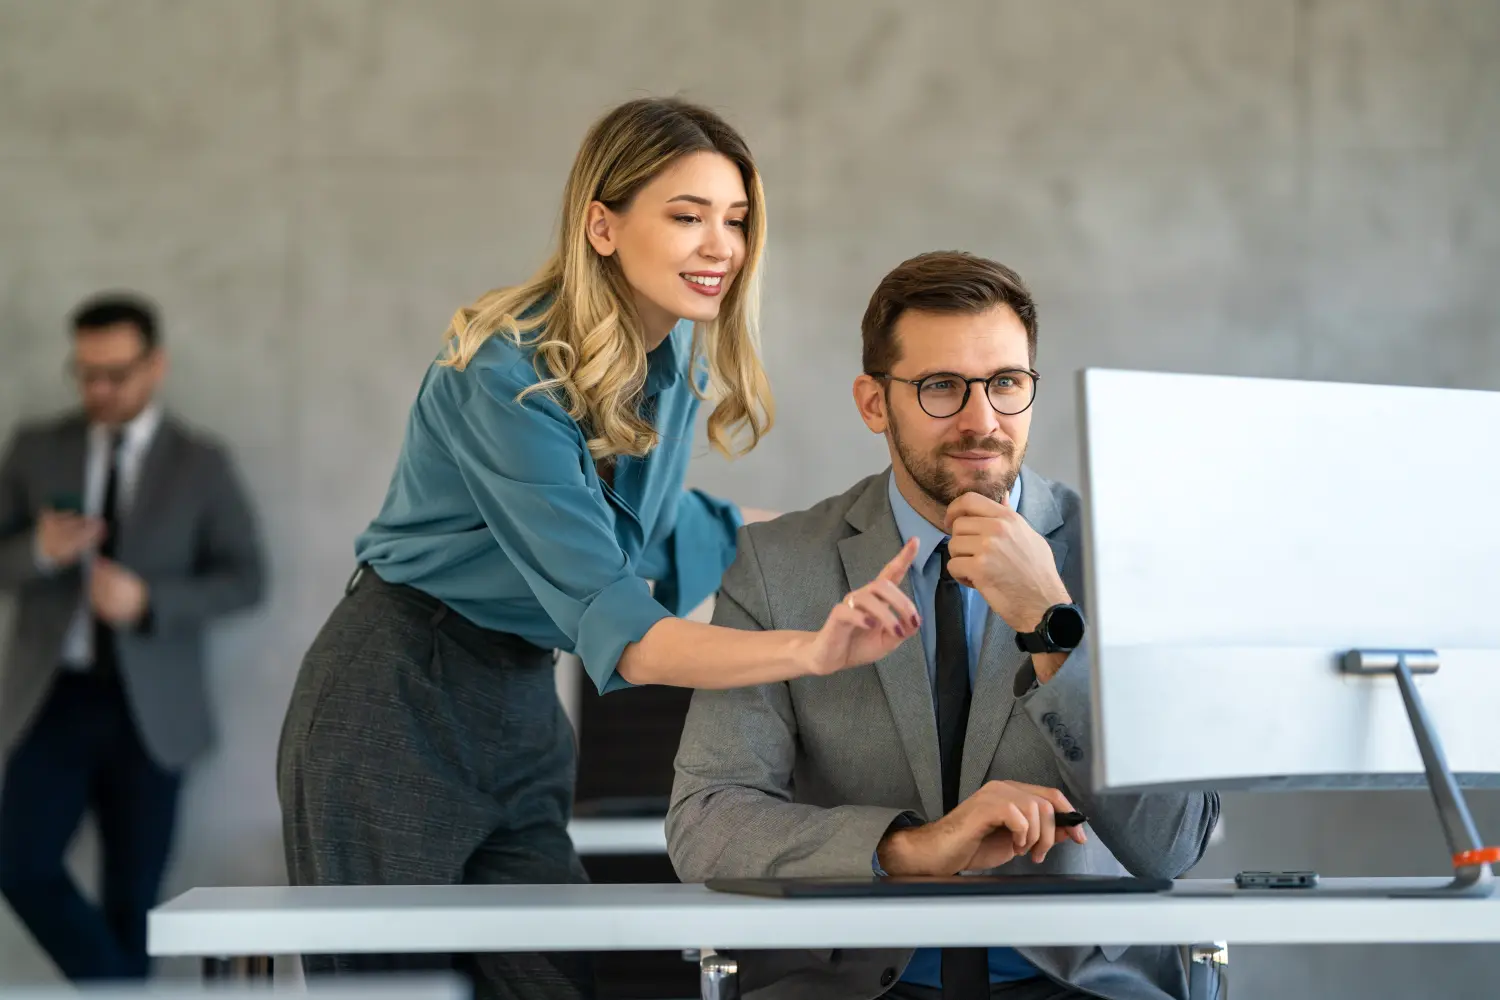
x=1071, y=819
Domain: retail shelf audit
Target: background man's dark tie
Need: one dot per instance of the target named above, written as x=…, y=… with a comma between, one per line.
x=104, y=635
x=965, y=971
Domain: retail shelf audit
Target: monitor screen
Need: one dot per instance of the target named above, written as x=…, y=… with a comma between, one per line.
x=1244, y=534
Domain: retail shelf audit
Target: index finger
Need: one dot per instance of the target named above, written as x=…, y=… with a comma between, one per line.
x=971, y=504
x=1047, y=835
x=1054, y=795
x=895, y=570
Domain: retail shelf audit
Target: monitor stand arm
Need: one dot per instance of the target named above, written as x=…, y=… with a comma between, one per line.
x=1471, y=859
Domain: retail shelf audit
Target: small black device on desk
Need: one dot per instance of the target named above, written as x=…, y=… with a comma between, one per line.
x=1276, y=880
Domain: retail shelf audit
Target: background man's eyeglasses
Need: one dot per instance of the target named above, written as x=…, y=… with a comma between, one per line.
x=944, y=394
x=115, y=375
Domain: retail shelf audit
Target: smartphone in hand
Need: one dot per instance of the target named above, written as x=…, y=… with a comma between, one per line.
x=66, y=503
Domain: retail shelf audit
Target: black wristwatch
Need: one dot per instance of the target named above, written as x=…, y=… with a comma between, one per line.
x=1060, y=631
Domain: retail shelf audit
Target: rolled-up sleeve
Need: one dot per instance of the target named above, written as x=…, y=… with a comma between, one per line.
x=523, y=464
x=700, y=549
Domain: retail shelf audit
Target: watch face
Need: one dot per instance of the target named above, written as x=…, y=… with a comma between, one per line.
x=1065, y=626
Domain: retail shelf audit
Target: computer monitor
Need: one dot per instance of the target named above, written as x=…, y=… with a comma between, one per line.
x=1245, y=536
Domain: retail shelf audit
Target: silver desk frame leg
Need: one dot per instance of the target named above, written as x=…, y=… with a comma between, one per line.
x=1207, y=970
x=239, y=969
x=718, y=978
x=1471, y=874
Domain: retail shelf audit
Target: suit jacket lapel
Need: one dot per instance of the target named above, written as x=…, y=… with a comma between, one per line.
x=994, y=697
x=1039, y=508
x=999, y=659
x=151, y=478
x=903, y=674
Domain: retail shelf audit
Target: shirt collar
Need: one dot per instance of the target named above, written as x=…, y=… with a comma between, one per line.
x=664, y=364
x=913, y=525
x=138, y=432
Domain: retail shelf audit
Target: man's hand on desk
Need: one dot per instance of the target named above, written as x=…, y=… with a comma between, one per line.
x=998, y=823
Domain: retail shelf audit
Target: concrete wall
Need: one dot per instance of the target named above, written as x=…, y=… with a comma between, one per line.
x=310, y=187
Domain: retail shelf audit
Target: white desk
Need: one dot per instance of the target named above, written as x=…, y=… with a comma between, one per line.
x=273, y=920
x=618, y=836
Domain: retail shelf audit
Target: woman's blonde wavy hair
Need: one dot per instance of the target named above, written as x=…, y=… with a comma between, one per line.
x=579, y=311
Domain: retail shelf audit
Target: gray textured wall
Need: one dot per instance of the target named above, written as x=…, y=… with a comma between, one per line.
x=310, y=187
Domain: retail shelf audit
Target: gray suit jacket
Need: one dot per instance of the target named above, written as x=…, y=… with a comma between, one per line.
x=805, y=777
x=189, y=534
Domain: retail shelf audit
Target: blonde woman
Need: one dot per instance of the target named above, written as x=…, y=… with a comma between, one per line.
x=539, y=489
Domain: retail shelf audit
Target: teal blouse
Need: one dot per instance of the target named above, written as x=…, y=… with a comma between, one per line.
x=496, y=509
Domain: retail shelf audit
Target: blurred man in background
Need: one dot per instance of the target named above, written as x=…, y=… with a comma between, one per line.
x=123, y=534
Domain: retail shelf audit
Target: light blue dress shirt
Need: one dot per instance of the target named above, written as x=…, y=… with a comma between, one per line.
x=925, y=968
x=496, y=509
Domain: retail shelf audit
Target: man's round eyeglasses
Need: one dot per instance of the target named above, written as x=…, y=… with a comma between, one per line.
x=944, y=394
x=114, y=375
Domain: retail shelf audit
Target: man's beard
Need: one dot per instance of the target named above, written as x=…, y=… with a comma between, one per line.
x=942, y=486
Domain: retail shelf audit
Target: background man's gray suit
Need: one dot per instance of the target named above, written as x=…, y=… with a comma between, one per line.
x=805, y=777
x=188, y=533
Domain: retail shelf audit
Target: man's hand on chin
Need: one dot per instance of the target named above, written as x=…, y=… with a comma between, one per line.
x=995, y=551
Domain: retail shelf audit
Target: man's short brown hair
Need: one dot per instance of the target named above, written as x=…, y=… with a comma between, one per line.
x=945, y=281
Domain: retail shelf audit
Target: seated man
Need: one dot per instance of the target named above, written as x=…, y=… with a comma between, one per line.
x=954, y=752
